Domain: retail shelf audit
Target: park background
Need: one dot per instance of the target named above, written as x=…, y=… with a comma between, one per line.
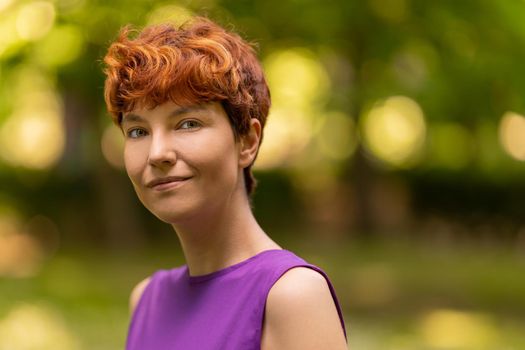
x=394, y=158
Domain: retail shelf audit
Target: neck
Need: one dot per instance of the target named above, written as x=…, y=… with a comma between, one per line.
x=227, y=235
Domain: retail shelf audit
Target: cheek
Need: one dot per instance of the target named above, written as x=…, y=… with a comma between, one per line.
x=218, y=153
x=134, y=162
x=222, y=167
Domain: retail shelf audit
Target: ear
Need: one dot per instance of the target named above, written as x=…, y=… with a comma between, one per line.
x=249, y=144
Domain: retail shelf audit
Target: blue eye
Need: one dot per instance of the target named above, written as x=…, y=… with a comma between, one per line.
x=136, y=133
x=190, y=124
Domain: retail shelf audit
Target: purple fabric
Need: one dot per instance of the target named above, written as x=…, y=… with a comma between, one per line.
x=220, y=310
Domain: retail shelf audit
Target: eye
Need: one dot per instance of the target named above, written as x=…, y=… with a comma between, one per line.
x=136, y=133
x=189, y=124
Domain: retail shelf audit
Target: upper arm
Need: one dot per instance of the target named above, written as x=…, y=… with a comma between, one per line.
x=301, y=314
x=137, y=293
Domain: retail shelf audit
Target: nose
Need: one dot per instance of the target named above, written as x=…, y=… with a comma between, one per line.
x=162, y=151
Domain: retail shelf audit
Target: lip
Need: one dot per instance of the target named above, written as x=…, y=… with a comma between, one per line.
x=166, y=183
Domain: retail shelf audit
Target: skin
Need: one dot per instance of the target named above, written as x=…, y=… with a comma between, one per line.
x=209, y=209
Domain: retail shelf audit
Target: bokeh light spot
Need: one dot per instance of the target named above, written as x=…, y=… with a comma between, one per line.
x=21, y=255
x=33, y=135
x=112, y=146
x=337, y=136
x=169, y=14
x=394, y=131
x=296, y=77
x=35, y=20
x=9, y=39
x=4, y=4
x=286, y=134
x=512, y=135
x=452, y=329
x=33, y=139
x=299, y=85
x=61, y=46
x=32, y=326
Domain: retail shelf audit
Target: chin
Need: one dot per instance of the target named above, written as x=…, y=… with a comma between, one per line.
x=169, y=216
x=172, y=214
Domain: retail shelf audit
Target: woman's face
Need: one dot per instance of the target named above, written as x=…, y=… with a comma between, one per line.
x=183, y=162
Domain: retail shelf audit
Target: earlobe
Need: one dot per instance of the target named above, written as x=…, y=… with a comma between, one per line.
x=250, y=143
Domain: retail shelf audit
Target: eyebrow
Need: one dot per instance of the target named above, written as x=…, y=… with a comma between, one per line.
x=130, y=117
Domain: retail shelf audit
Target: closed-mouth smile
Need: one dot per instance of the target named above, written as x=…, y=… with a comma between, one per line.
x=165, y=183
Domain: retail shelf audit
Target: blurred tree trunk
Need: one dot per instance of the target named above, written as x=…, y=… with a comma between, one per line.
x=114, y=220
x=358, y=171
x=362, y=176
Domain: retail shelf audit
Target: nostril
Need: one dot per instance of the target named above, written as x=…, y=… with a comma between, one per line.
x=162, y=161
x=163, y=158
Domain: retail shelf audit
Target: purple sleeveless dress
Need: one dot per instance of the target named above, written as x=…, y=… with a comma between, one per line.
x=219, y=311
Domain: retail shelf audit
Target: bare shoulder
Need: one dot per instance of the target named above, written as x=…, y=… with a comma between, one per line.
x=301, y=314
x=136, y=293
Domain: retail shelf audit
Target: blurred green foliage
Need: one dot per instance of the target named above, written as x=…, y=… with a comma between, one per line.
x=425, y=95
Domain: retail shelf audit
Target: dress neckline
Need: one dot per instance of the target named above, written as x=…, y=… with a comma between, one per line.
x=225, y=270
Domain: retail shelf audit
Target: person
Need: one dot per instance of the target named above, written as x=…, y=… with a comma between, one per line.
x=192, y=102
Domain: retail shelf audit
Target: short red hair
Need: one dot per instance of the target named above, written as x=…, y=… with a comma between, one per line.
x=196, y=63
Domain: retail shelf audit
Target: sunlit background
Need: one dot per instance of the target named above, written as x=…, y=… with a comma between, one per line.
x=394, y=158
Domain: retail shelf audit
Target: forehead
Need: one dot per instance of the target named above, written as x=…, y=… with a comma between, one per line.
x=172, y=110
